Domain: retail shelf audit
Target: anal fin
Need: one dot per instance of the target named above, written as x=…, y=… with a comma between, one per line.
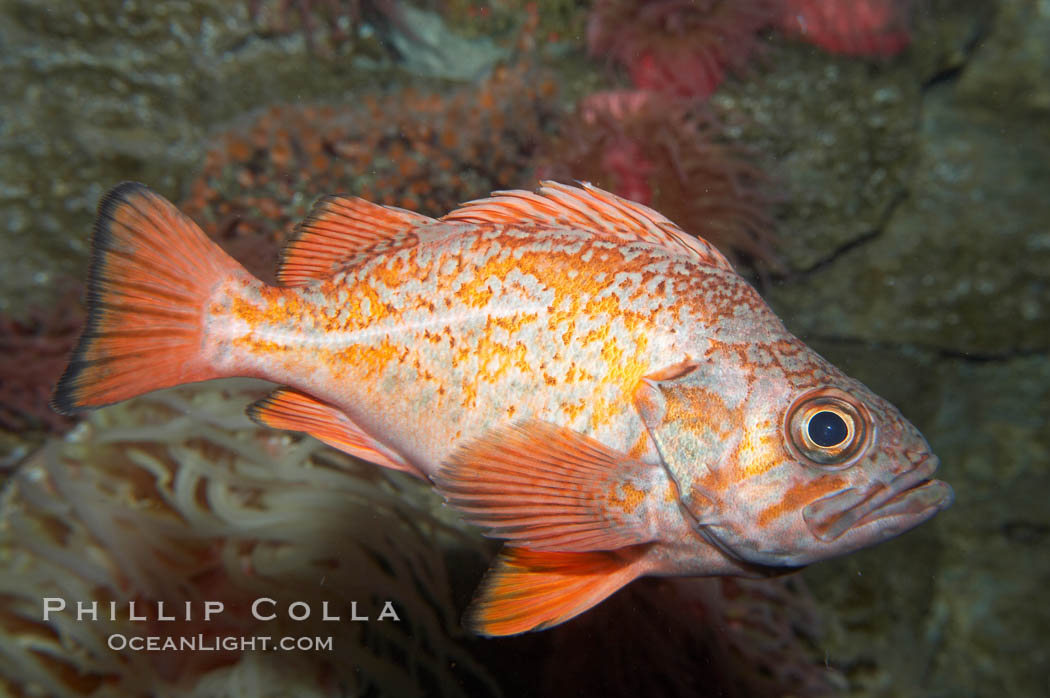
x=293, y=410
x=532, y=590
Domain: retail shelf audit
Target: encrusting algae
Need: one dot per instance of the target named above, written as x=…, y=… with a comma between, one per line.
x=412, y=148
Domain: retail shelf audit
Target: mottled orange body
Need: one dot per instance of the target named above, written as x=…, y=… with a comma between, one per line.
x=475, y=325
x=573, y=372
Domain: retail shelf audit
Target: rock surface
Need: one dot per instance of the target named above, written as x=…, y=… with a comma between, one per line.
x=963, y=262
x=952, y=608
x=943, y=309
x=109, y=90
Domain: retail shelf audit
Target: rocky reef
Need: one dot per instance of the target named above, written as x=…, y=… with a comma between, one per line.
x=929, y=282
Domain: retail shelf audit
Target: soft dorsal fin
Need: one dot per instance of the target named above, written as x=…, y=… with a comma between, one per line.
x=336, y=229
x=589, y=207
x=290, y=409
x=545, y=487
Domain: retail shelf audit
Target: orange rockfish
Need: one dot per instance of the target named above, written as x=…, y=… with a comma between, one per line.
x=573, y=372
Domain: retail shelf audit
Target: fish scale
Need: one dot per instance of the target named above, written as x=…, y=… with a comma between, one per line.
x=575, y=374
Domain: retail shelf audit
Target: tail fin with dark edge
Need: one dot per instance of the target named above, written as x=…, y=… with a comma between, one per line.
x=152, y=272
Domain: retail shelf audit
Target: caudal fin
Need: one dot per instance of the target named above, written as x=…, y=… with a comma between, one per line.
x=152, y=272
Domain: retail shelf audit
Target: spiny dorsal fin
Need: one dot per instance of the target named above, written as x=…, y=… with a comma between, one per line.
x=531, y=590
x=290, y=409
x=591, y=208
x=336, y=229
x=544, y=487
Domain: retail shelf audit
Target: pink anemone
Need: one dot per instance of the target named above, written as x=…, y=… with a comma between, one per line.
x=669, y=154
x=857, y=28
x=682, y=47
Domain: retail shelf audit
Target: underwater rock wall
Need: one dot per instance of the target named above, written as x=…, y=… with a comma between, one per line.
x=110, y=90
x=943, y=306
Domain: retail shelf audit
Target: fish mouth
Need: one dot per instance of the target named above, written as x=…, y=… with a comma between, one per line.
x=908, y=500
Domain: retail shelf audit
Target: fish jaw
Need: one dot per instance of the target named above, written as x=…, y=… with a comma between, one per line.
x=884, y=511
x=843, y=521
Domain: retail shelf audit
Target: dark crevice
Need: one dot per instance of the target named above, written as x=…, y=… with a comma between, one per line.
x=946, y=75
x=1026, y=532
x=951, y=353
x=843, y=249
x=969, y=48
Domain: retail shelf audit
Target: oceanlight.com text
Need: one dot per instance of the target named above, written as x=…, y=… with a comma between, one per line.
x=211, y=643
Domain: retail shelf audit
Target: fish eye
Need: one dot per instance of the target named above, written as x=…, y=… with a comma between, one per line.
x=828, y=428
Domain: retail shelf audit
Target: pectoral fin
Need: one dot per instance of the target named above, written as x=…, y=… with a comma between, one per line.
x=544, y=487
x=295, y=411
x=532, y=590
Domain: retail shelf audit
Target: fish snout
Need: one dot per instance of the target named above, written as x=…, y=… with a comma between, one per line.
x=883, y=509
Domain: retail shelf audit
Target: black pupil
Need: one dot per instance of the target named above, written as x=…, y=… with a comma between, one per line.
x=827, y=429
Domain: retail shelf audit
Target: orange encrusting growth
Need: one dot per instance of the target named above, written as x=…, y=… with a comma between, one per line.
x=421, y=151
